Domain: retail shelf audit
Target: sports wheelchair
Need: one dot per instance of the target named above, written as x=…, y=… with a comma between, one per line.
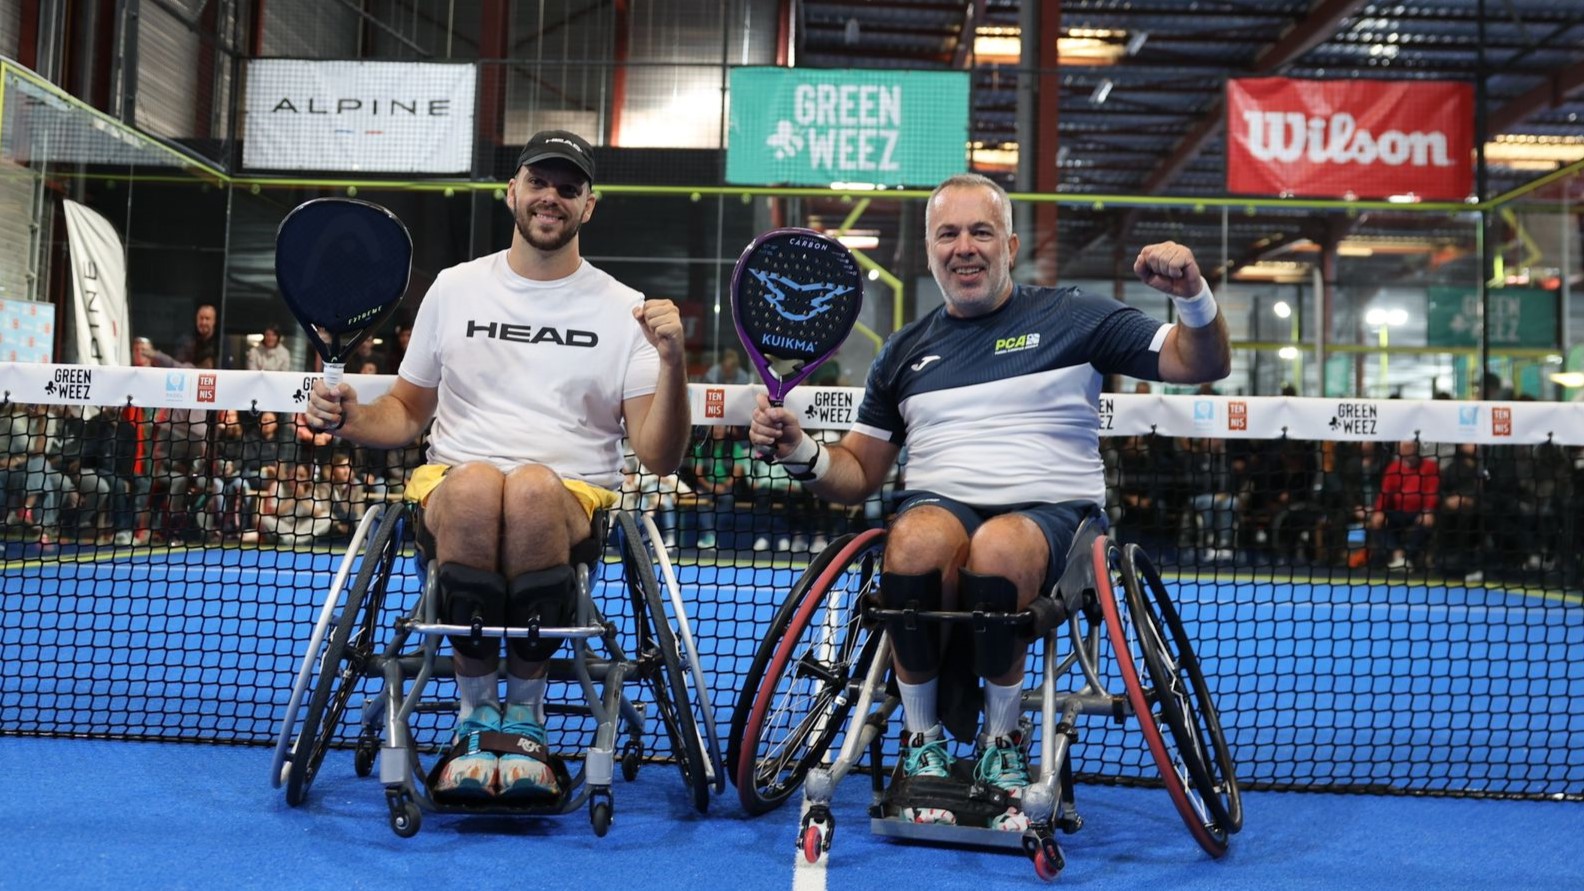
x=821, y=680
x=365, y=674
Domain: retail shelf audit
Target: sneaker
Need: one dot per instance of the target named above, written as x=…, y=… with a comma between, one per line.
x=124, y=537
x=472, y=774
x=799, y=544
x=818, y=544
x=523, y=774
x=783, y=544
x=925, y=755
x=1004, y=764
x=761, y=543
x=1477, y=577
x=669, y=539
x=1397, y=561
x=706, y=540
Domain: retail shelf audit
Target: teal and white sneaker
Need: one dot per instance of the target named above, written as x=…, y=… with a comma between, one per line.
x=925, y=755
x=530, y=773
x=1003, y=763
x=471, y=773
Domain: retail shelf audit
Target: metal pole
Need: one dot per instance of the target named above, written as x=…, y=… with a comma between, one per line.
x=1481, y=125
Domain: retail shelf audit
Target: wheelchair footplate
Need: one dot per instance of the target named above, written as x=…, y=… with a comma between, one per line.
x=973, y=804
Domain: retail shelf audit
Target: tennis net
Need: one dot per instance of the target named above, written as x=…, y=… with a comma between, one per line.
x=1385, y=595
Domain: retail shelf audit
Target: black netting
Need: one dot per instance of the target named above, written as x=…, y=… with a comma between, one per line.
x=1372, y=616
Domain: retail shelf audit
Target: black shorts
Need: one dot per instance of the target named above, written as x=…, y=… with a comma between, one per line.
x=1058, y=521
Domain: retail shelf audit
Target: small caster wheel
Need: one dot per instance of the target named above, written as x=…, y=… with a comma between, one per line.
x=600, y=817
x=363, y=758
x=629, y=766
x=405, y=818
x=813, y=842
x=1044, y=868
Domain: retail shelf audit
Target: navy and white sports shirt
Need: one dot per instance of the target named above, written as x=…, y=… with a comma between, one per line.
x=1004, y=408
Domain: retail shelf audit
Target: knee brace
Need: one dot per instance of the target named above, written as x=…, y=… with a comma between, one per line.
x=917, y=643
x=473, y=597
x=543, y=598
x=997, y=644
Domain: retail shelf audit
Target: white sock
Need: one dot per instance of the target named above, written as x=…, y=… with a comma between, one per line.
x=477, y=691
x=527, y=691
x=918, y=705
x=1002, y=706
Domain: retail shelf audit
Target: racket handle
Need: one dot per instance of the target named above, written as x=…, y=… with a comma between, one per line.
x=332, y=372
x=767, y=455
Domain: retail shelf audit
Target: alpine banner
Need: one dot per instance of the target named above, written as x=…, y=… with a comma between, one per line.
x=1350, y=139
x=98, y=274
x=362, y=117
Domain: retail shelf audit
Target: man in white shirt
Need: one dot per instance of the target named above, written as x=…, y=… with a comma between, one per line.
x=547, y=362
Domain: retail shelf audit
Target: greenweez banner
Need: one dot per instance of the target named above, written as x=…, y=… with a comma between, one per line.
x=804, y=127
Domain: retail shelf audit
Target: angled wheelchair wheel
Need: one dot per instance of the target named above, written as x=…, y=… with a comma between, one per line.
x=798, y=691
x=659, y=664
x=342, y=667
x=1130, y=636
x=693, y=675
x=1182, y=697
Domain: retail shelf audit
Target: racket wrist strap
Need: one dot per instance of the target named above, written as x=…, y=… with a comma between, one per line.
x=808, y=460
x=1199, y=310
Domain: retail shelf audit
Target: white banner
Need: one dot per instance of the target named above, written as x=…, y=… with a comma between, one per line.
x=360, y=117
x=835, y=408
x=98, y=266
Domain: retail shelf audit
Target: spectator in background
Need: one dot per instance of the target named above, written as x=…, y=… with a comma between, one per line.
x=728, y=370
x=396, y=347
x=200, y=348
x=270, y=354
x=145, y=354
x=1462, y=496
x=1405, y=509
x=720, y=462
x=347, y=496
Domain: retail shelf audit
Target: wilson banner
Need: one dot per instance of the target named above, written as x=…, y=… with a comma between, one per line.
x=360, y=117
x=1350, y=138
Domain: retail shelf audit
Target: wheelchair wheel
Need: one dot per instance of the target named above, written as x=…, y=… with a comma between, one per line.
x=660, y=665
x=796, y=695
x=1182, y=696
x=351, y=646
x=1125, y=628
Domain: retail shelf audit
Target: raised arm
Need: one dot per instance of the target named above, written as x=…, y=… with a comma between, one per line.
x=1198, y=349
x=658, y=424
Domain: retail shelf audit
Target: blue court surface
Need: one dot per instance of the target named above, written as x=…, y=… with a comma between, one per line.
x=1423, y=688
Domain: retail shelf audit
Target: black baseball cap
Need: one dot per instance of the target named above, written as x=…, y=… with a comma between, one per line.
x=559, y=145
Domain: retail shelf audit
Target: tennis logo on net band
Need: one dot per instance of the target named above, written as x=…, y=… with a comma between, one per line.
x=795, y=301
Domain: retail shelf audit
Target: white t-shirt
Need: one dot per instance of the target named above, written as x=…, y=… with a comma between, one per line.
x=530, y=371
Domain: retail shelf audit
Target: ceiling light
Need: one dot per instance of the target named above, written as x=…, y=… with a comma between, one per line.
x=1101, y=91
x=1282, y=310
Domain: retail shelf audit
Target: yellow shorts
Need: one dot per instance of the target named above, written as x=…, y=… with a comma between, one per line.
x=428, y=477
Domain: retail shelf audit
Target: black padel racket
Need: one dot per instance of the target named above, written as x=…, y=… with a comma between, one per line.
x=342, y=266
x=795, y=297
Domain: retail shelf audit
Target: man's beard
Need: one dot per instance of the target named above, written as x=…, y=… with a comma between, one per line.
x=569, y=231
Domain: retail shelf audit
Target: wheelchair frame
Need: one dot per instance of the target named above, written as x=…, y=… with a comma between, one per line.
x=835, y=684
x=344, y=651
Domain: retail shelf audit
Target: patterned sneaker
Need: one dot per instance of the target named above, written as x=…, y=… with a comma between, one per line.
x=528, y=774
x=471, y=774
x=1004, y=764
x=925, y=755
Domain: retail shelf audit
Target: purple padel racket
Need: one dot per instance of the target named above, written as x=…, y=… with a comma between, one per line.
x=342, y=266
x=795, y=297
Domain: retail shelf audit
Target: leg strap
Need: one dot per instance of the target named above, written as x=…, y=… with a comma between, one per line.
x=473, y=597
x=917, y=642
x=542, y=598
x=997, y=645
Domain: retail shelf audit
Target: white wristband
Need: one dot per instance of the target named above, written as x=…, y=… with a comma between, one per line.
x=1197, y=311
x=808, y=461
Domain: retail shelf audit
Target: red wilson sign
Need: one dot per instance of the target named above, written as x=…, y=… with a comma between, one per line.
x=1350, y=138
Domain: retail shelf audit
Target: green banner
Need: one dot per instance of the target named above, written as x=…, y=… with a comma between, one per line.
x=808, y=127
x=1517, y=317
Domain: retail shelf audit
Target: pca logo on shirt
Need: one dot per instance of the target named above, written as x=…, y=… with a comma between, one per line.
x=1017, y=344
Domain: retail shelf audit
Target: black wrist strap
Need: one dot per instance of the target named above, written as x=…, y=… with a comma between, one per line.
x=800, y=471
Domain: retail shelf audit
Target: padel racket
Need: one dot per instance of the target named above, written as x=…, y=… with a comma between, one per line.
x=342, y=266
x=795, y=297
